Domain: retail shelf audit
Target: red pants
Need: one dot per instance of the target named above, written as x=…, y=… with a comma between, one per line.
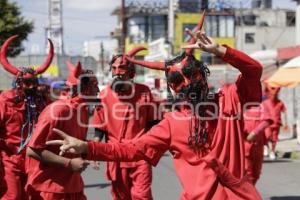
x=15, y=176
x=272, y=134
x=133, y=183
x=36, y=195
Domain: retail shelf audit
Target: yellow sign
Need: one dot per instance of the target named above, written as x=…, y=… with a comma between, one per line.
x=52, y=71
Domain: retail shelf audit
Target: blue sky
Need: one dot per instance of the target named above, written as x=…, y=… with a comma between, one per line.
x=85, y=19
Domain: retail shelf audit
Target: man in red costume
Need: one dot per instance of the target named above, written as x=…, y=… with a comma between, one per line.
x=257, y=119
x=204, y=133
x=51, y=176
x=125, y=112
x=19, y=108
x=276, y=108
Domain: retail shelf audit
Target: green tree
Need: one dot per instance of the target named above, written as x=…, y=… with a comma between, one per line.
x=12, y=23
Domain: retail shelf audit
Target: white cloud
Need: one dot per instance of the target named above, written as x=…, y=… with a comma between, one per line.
x=91, y=5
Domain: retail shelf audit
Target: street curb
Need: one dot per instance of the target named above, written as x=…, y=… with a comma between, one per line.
x=295, y=155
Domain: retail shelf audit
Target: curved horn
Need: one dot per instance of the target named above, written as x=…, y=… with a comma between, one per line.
x=134, y=51
x=197, y=28
x=41, y=69
x=3, y=57
x=150, y=65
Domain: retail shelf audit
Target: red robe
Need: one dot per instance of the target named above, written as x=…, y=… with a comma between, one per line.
x=11, y=121
x=256, y=119
x=67, y=115
x=199, y=180
x=124, y=119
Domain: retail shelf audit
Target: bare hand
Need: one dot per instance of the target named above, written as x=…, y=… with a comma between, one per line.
x=68, y=144
x=78, y=164
x=251, y=137
x=205, y=43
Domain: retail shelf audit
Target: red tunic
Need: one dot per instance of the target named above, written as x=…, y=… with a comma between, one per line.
x=198, y=180
x=276, y=108
x=11, y=121
x=67, y=115
x=124, y=119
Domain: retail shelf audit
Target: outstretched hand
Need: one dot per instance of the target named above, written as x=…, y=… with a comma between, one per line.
x=204, y=43
x=69, y=144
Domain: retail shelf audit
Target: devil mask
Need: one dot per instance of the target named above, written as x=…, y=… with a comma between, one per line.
x=123, y=71
x=26, y=77
x=186, y=76
x=83, y=81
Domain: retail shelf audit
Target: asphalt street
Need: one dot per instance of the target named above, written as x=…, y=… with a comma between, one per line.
x=280, y=181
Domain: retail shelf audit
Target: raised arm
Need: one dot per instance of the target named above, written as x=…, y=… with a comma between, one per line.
x=250, y=68
x=149, y=147
x=248, y=84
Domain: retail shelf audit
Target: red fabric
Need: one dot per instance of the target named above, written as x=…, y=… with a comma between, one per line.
x=125, y=119
x=199, y=180
x=3, y=185
x=256, y=119
x=272, y=134
x=276, y=107
x=15, y=177
x=64, y=114
x=36, y=195
x=133, y=183
x=11, y=120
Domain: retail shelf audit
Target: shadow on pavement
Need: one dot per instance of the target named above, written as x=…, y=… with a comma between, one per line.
x=277, y=161
x=99, y=185
x=286, y=198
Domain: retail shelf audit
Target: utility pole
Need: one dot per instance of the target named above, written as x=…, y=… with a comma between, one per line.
x=171, y=16
x=123, y=35
x=102, y=56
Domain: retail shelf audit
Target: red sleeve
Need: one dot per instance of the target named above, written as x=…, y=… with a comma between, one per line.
x=150, y=147
x=248, y=83
x=99, y=119
x=262, y=126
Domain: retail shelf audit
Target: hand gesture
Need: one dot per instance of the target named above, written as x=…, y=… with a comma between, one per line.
x=205, y=43
x=68, y=144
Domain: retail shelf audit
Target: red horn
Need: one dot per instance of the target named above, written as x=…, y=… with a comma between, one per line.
x=150, y=65
x=41, y=69
x=78, y=70
x=3, y=58
x=197, y=28
x=132, y=52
